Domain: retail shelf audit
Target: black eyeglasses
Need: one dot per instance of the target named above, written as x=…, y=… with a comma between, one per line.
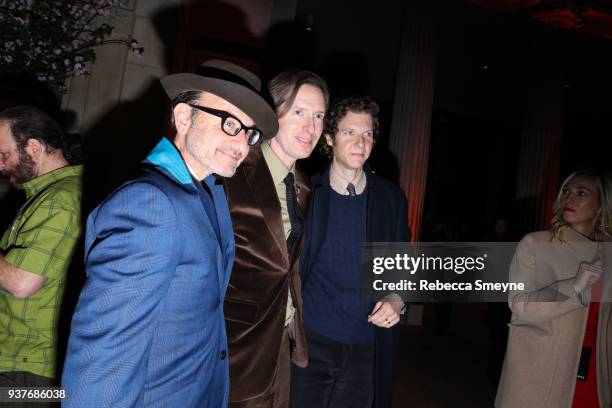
x=232, y=126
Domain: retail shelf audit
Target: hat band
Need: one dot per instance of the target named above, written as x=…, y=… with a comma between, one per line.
x=222, y=74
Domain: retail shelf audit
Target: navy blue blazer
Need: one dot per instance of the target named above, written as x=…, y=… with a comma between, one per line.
x=148, y=330
x=387, y=221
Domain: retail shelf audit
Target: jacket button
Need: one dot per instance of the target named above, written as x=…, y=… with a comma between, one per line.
x=223, y=354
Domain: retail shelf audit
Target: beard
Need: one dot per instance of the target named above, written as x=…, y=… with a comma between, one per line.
x=23, y=171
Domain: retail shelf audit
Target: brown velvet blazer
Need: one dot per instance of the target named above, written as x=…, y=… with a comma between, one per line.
x=256, y=298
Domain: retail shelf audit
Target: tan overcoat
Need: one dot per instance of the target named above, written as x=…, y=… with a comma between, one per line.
x=548, y=324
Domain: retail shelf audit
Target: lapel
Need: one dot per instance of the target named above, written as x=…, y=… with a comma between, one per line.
x=371, y=204
x=263, y=191
x=320, y=212
x=304, y=189
x=304, y=196
x=226, y=231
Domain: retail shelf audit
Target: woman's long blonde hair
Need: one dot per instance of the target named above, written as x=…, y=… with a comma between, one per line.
x=603, y=229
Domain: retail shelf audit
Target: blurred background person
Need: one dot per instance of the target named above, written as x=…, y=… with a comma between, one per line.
x=36, y=251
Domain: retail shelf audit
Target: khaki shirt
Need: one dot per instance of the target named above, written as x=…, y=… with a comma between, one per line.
x=279, y=171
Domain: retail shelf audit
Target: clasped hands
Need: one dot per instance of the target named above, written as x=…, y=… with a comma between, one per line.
x=386, y=313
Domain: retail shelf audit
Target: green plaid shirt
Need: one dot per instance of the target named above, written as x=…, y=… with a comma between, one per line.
x=41, y=240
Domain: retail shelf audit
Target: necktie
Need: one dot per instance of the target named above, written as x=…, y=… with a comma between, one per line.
x=295, y=213
x=351, y=189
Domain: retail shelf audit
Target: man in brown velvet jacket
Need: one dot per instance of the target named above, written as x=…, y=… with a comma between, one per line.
x=263, y=302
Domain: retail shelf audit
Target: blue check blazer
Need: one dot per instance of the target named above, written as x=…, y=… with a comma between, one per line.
x=148, y=330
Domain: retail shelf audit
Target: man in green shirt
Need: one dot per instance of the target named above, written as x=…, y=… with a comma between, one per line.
x=37, y=248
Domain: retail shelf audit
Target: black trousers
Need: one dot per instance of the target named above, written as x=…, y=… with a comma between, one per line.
x=338, y=375
x=20, y=379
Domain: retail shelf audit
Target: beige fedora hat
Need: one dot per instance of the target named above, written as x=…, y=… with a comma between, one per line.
x=231, y=82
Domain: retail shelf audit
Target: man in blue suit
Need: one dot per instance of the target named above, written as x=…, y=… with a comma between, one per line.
x=148, y=330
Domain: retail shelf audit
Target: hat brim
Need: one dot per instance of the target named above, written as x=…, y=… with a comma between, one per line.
x=245, y=99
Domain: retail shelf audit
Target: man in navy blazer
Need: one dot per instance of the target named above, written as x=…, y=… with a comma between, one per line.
x=148, y=330
x=352, y=344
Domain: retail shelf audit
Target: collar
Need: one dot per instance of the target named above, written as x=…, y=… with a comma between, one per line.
x=41, y=182
x=167, y=156
x=322, y=179
x=583, y=246
x=339, y=183
x=570, y=235
x=277, y=168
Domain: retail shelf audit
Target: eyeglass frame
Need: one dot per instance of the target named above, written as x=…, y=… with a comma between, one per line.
x=223, y=115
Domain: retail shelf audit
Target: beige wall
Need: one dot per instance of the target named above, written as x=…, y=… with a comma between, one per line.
x=117, y=75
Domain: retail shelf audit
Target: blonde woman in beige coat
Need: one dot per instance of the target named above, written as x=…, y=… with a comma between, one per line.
x=561, y=268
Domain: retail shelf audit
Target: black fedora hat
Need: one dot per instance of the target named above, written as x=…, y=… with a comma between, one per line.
x=231, y=82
